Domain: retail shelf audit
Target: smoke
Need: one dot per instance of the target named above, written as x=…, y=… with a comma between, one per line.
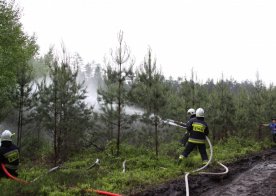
x=131, y=110
x=92, y=86
x=91, y=99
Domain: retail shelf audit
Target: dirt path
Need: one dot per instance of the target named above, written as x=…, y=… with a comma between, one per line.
x=253, y=175
x=259, y=180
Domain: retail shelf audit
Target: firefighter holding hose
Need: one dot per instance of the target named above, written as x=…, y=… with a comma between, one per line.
x=192, y=114
x=197, y=129
x=9, y=154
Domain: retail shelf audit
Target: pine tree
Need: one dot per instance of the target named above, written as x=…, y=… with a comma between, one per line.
x=150, y=92
x=23, y=97
x=16, y=49
x=61, y=109
x=257, y=105
x=221, y=110
x=113, y=94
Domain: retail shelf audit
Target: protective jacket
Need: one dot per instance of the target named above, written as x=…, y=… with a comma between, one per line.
x=9, y=155
x=191, y=117
x=198, y=129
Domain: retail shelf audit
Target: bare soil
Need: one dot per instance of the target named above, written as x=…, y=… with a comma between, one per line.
x=253, y=175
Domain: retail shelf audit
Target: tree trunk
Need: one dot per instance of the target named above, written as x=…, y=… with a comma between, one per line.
x=55, y=128
x=119, y=112
x=156, y=136
x=20, y=116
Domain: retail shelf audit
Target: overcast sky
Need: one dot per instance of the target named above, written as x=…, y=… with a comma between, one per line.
x=236, y=38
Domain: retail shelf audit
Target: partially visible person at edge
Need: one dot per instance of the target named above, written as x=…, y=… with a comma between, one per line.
x=192, y=114
x=197, y=129
x=272, y=127
x=9, y=154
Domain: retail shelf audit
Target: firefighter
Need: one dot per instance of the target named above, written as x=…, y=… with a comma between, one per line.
x=272, y=127
x=192, y=114
x=9, y=154
x=197, y=129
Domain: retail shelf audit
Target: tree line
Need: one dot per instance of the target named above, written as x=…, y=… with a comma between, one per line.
x=46, y=97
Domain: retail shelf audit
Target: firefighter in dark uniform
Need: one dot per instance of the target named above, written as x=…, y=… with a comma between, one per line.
x=9, y=154
x=192, y=114
x=197, y=129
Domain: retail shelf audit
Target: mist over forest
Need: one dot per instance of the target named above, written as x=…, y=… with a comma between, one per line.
x=87, y=120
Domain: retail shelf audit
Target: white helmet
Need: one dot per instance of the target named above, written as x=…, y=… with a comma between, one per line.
x=199, y=112
x=191, y=111
x=6, y=135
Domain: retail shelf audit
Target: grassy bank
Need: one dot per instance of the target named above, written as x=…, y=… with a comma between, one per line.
x=142, y=169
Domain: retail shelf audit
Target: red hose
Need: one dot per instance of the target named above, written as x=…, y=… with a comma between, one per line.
x=25, y=182
x=11, y=176
x=106, y=193
x=102, y=192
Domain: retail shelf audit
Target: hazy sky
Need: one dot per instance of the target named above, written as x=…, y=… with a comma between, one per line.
x=236, y=38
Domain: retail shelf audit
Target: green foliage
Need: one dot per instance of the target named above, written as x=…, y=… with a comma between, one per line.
x=142, y=169
x=61, y=110
x=236, y=147
x=113, y=94
x=36, y=151
x=16, y=49
x=173, y=149
x=232, y=109
x=40, y=67
x=221, y=110
x=149, y=92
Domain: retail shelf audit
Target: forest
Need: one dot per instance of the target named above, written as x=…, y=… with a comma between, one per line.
x=46, y=101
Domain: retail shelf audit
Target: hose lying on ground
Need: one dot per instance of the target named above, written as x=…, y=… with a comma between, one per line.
x=220, y=173
x=97, y=162
x=201, y=168
x=101, y=192
x=49, y=171
x=13, y=177
x=124, y=166
x=26, y=182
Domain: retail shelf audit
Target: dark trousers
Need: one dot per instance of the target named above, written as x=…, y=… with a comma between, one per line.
x=184, y=139
x=201, y=147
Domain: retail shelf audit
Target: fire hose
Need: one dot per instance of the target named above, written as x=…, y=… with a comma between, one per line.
x=201, y=168
x=183, y=125
x=26, y=182
x=174, y=123
x=11, y=176
x=170, y=122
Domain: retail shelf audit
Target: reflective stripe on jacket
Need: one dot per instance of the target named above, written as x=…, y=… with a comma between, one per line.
x=196, y=141
x=198, y=129
x=9, y=155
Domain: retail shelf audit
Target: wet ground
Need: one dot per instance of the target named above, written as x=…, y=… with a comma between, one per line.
x=253, y=175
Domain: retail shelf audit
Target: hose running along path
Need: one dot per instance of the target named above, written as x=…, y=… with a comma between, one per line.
x=201, y=168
